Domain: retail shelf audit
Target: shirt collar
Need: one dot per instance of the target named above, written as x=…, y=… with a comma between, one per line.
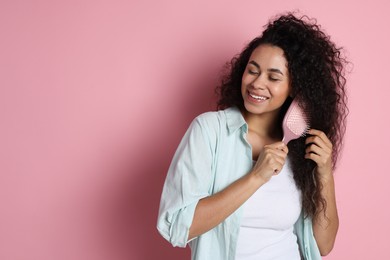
x=235, y=120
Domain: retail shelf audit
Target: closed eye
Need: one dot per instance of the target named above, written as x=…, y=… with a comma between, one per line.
x=273, y=79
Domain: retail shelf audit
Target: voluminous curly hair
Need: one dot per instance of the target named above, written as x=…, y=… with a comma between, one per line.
x=317, y=77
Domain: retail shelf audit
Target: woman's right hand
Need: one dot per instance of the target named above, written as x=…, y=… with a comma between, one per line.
x=270, y=161
x=212, y=210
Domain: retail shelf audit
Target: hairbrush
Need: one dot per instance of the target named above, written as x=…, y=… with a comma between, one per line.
x=295, y=122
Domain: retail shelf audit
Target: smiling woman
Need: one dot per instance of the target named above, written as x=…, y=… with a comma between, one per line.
x=234, y=190
x=265, y=82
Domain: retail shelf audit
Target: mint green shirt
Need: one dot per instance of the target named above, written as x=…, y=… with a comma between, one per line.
x=213, y=154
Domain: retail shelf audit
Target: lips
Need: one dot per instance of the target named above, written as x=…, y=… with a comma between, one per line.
x=257, y=97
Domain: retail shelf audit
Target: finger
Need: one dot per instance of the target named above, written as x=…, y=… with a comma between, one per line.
x=277, y=153
x=280, y=146
x=278, y=169
x=284, y=149
x=319, y=142
x=271, y=162
x=319, y=159
x=313, y=148
x=278, y=163
x=321, y=135
x=315, y=157
x=273, y=159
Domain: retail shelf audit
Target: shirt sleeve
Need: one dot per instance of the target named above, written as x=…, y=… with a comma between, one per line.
x=188, y=180
x=303, y=228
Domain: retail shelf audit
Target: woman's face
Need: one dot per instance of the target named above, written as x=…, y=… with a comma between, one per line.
x=265, y=82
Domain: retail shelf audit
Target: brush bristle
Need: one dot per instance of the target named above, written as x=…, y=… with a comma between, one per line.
x=297, y=121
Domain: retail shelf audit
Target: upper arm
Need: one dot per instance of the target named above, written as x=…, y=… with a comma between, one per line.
x=188, y=180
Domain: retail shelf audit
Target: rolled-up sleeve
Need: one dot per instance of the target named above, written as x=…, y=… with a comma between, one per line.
x=188, y=180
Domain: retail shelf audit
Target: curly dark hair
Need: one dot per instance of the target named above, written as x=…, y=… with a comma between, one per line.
x=317, y=77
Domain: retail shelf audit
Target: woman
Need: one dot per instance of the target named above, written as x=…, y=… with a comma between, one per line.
x=234, y=190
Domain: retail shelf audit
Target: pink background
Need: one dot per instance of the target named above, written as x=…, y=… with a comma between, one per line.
x=96, y=95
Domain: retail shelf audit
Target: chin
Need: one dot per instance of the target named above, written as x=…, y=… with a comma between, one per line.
x=252, y=109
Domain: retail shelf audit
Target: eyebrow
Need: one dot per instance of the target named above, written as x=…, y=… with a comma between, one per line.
x=254, y=63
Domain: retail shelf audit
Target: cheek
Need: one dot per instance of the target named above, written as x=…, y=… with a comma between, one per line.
x=244, y=79
x=282, y=90
x=244, y=82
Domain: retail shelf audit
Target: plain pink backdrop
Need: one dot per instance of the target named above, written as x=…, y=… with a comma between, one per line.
x=96, y=95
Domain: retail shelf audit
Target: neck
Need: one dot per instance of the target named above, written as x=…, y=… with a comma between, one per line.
x=266, y=125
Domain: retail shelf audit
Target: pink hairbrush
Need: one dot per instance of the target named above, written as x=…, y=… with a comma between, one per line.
x=295, y=122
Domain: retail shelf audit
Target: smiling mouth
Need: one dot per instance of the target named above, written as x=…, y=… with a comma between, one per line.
x=260, y=98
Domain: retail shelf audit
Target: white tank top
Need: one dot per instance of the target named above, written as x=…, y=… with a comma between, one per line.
x=266, y=230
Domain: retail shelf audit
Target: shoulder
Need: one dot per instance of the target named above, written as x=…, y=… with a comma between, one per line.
x=210, y=117
x=218, y=123
x=210, y=124
x=213, y=120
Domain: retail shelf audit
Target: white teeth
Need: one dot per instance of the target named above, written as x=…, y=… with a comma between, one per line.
x=258, y=97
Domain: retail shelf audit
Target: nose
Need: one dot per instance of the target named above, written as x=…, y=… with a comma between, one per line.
x=259, y=82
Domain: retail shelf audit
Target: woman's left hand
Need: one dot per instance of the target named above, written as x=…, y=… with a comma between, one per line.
x=319, y=149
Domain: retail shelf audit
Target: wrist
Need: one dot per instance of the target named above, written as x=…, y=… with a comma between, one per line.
x=325, y=176
x=256, y=178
